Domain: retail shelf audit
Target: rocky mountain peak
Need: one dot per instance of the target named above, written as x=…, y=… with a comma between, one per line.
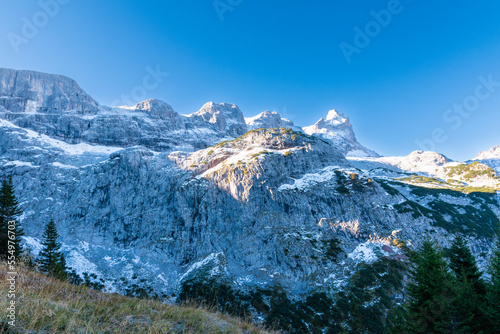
x=227, y=109
x=336, y=118
x=493, y=153
x=337, y=129
x=238, y=166
x=225, y=117
x=268, y=120
x=34, y=92
x=157, y=108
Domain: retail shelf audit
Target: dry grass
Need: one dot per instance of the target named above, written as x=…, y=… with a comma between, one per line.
x=45, y=305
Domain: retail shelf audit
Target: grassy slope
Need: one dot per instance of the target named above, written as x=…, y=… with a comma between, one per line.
x=45, y=305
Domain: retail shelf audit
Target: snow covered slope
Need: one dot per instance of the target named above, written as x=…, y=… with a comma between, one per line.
x=431, y=169
x=493, y=153
x=490, y=158
x=417, y=161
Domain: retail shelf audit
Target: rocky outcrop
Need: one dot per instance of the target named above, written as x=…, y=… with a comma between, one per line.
x=269, y=120
x=226, y=118
x=337, y=129
x=29, y=92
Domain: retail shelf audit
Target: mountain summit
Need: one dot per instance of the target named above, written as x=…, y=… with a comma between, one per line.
x=337, y=129
x=226, y=118
x=24, y=91
x=268, y=120
x=493, y=153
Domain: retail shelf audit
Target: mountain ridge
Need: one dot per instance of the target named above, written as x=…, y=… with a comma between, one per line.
x=82, y=117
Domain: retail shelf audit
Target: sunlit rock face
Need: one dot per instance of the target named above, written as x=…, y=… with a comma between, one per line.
x=139, y=190
x=270, y=120
x=225, y=117
x=29, y=92
x=337, y=129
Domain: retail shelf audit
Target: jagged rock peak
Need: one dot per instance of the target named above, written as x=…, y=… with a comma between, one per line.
x=337, y=129
x=29, y=91
x=156, y=108
x=225, y=117
x=336, y=117
x=493, y=153
x=268, y=119
x=220, y=108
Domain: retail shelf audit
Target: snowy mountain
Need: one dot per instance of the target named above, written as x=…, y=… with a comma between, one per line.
x=142, y=191
x=433, y=170
x=56, y=106
x=269, y=120
x=337, y=129
x=29, y=92
x=490, y=158
x=225, y=118
x=493, y=153
x=418, y=161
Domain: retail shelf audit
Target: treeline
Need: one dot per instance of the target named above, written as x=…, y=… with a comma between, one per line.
x=434, y=291
x=359, y=308
x=447, y=294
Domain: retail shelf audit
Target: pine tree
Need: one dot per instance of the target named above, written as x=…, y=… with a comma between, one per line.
x=470, y=288
x=493, y=292
x=430, y=292
x=9, y=210
x=51, y=259
x=464, y=265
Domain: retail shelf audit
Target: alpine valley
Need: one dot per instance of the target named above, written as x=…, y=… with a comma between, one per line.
x=153, y=202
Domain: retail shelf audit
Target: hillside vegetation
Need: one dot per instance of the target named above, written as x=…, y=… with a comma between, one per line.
x=46, y=305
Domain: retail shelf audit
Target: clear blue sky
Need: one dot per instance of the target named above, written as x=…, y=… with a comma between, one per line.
x=285, y=56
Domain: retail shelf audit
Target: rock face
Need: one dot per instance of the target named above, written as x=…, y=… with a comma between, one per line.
x=337, y=129
x=269, y=120
x=225, y=118
x=159, y=110
x=56, y=106
x=259, y=209
x=29, y=92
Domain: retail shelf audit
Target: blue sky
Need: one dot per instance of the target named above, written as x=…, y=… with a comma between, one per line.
x=284, y=56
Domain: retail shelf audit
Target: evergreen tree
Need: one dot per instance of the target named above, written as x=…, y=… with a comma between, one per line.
x=470, y=288
x=9, y=210
x=464, y=265
x=493, y=293
x=51, y=259
x=430, y=292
